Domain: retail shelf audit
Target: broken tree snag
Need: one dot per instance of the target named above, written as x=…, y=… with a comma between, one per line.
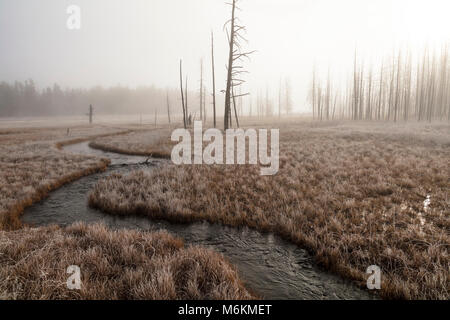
x=288, y=98
x=182, y=94
x=204, y=104
x=213, y=78
x=279, y=100
x=201, y=89
x=235, y=37
x=91, y=113
x=230, y=69
x=313, y=93
x=168, y=106
x=186, y=102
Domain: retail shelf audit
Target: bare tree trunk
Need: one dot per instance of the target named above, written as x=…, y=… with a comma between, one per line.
x=398, y=90
x=361, y=93
x=355, y=89
x=279, y=100
x=182, y=94
x=204, y=104
x=258, y=104
x=230, y=68
x=432, y=89
x=91, y=113
x=234, y=40
x=423, y=86
x=269, y=111
x=328, y=94
x=319, y=102
x=288, y=100
x=334, y=106
x=408, y=83
x=443, y=83
x=213, y=78
x=168, y=106
x=314, y=92
x=188, y=117
x=380, y=96
x=369, y=96
x=201, y=90
x=391, y=89
x=417, y=91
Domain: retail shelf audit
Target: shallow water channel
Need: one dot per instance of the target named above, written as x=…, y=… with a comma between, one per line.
x=269, y=266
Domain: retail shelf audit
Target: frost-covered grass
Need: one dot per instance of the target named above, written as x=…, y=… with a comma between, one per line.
x=122, y=264
x=353, y=194
x=31, y=165
x=155, y=143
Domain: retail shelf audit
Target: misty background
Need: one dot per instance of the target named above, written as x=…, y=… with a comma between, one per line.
x=125, y=56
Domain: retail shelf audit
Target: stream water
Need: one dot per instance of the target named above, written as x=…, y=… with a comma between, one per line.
x=268, y=265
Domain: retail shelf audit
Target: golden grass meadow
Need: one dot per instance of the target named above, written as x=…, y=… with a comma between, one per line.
x=340, y=188
x=352, y=194
x=122, y=265
x=33, y=261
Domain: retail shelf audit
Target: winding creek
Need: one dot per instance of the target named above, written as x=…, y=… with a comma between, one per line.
x=268, y=265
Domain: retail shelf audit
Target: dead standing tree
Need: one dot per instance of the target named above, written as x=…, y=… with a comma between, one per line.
x=91, y=113
x=188, y=116
x=288, y=96
x=235, y=38
x=213, y=78
x=182, y=94
x=313, y=92
x=168, y=106
x=279, y=100
x=204, y=104
x=201, y=89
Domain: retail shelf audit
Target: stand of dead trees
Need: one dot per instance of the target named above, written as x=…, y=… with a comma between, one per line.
x=264, y=102
x=235, y=35
x=405, y=87
x=188, y=118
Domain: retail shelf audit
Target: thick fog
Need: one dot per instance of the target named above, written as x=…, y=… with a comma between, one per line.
x=138, y=43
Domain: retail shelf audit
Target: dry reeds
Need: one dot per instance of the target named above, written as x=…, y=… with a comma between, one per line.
x=122, y=264
x=155, y=143
x=353, y=195
x=31, y=166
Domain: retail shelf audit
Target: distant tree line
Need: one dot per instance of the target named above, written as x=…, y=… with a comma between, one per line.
x=265, y=106
x=401, y=88
x=23, y=99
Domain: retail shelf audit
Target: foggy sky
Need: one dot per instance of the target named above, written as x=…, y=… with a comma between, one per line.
x=139, y=42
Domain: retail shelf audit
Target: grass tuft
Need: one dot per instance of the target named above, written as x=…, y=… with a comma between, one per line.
x=122, y=264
